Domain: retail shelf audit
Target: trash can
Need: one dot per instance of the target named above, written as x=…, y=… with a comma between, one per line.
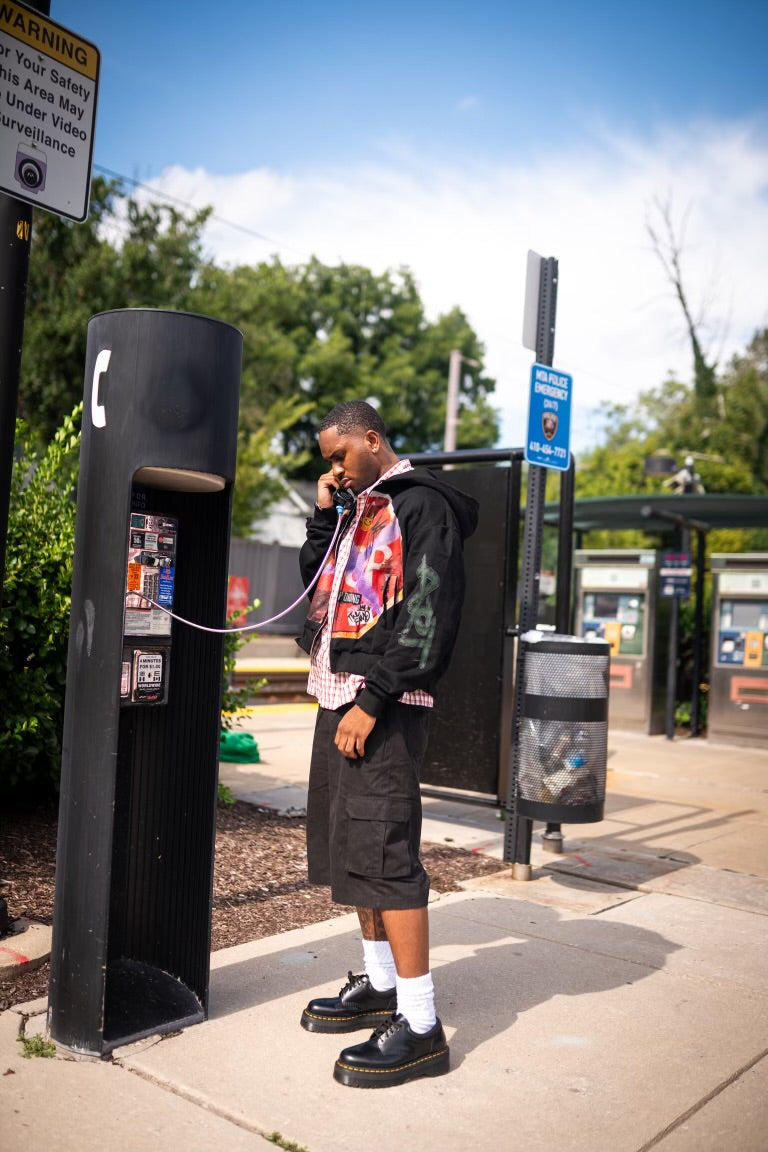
x=563, y=728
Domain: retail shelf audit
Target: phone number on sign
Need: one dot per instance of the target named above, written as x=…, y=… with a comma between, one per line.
x=547, y=450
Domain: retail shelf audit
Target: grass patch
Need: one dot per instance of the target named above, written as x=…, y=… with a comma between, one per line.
x=36, y=1045
x=288, y=1145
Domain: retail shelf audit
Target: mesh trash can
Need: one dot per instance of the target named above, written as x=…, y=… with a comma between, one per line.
x=563, y=729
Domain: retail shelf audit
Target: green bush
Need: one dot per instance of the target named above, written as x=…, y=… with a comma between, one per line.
x=34, y=615
x=233, y=700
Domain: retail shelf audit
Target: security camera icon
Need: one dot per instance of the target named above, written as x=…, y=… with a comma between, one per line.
x=31, y=168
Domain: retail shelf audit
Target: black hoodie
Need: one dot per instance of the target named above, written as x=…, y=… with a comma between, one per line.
x=399, y=605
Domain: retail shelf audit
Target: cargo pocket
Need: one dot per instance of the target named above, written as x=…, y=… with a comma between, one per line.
x=378, y=836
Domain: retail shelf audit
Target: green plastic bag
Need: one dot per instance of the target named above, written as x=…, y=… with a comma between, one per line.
x=238, y=747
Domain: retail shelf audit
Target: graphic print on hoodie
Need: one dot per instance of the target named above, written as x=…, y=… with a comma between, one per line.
x=373, y=580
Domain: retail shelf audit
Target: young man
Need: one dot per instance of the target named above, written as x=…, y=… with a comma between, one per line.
x=380, y=631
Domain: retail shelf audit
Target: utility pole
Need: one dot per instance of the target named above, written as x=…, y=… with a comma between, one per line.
x=452, y=400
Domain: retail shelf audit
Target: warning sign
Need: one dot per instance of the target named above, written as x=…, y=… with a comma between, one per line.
x=48, y=87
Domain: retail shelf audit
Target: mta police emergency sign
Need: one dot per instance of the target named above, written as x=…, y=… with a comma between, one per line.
x=48, y=87
x=548, y=442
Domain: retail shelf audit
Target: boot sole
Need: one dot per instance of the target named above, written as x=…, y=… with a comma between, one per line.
x=435, y=1064
x=344, y=1023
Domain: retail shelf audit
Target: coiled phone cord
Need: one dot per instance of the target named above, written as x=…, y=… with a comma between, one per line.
x=341, y=509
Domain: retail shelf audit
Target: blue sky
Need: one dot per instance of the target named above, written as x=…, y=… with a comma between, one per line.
x=452, y=137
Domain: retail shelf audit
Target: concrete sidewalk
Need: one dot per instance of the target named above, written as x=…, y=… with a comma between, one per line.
x=617, y=1002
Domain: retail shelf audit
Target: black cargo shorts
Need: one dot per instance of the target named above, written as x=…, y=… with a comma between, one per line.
x=364, y=815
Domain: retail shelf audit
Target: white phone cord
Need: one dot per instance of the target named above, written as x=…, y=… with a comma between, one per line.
x=262, y=623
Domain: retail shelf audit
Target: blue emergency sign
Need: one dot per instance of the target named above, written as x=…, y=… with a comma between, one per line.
x=548, y=442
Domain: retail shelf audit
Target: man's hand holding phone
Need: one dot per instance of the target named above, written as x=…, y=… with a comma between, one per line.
x=326, y=489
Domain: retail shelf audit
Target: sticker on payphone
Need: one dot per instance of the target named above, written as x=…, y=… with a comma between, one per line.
x=148, y=676
x=150, y=574
x=144, y=675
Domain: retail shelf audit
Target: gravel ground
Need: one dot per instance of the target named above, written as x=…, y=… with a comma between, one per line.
x=260, y=886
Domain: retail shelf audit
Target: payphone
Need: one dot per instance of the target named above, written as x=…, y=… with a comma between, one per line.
x=130, y=953
x=738, y=697
x=617, y=601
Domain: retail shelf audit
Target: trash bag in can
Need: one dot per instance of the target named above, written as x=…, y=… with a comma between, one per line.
x=563, y=728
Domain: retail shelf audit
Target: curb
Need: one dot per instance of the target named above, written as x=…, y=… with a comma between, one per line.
x=27, y=947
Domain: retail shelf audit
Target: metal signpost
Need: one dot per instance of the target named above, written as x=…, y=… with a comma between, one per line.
x=675, y=583
x=539, y=335
x=675, y=573
x=48, y=89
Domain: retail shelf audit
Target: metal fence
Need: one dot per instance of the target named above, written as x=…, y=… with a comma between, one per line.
x=273, y=578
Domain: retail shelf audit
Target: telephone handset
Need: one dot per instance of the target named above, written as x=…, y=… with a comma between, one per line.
x=344, y=500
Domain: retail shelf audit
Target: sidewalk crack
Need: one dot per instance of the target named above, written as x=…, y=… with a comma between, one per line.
x=697, y=1107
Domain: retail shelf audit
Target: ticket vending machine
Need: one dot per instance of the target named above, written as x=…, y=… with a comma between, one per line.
x=617, y=600
x=738, y=697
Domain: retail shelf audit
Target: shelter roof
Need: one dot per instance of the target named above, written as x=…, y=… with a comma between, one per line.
x=614, y=513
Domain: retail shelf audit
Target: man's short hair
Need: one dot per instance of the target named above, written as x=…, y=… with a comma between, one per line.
x=354, y=414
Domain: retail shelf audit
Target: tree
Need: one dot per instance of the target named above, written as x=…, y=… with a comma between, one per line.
x=668, y=246
x=312, y=335
x=34, y=617
x=75, y=272
x=731, y=452
x=317, y=335
x=740, y=434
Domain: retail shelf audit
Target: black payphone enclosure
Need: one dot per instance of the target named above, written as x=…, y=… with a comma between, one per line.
x=132, y=915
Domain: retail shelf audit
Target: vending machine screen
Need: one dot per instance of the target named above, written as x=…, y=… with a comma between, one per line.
x=743, y=633
x=616, y=617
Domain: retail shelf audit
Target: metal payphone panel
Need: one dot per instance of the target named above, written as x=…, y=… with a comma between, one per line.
x=738, y=699
x=149, y=584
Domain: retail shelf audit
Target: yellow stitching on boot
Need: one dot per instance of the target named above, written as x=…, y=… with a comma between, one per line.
x=399, y=1068
x=354, y=1016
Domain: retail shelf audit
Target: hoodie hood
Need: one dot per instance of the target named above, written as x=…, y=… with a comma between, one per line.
x=464, y=507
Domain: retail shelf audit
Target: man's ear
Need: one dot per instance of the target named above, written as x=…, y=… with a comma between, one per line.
x=373, y=440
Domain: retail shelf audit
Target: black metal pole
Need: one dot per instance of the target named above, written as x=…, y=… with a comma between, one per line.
x=672, y=669
x=15, y=233
x=552, y=836
x=685, y=524
x=518, y=833
x=684, y=538
x=15, y=237
x=698, y=629
x=564, y=591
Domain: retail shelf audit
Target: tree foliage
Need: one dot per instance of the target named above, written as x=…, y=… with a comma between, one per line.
x=313, y=335
x=318, y=335
x=76, y=271
x=730, y=448
x=668, y=244
x=34, y=617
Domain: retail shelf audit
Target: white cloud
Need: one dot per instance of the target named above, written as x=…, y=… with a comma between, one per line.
x=465, y=232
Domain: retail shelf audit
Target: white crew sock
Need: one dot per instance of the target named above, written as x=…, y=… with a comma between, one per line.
x=416, y=1001
x=379, y=964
